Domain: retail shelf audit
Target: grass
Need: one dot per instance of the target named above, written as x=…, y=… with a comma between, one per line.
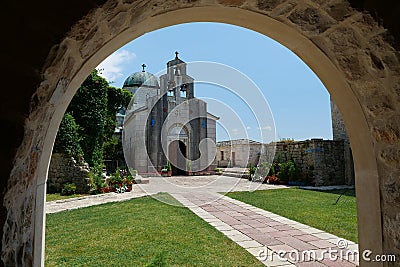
x=314, y=208
x=139, y=232
x=58, y=196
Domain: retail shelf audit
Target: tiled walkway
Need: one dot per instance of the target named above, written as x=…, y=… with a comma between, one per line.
x=263, y=233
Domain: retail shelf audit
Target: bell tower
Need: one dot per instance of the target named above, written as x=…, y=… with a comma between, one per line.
x=176, y=84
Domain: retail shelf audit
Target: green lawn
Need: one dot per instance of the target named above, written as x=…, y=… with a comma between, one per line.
x=52, y=197
x=139, y=232
x=317, y=209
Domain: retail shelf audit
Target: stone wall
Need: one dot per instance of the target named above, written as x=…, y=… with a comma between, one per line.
x=324, y=160
x=65, y=169
x=340, y=133
x=238, y=153
x=338, y=127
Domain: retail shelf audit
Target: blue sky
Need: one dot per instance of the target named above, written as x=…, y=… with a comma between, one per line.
x=298, y=100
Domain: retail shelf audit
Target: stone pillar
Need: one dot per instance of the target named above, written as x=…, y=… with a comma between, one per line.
x=340, y=133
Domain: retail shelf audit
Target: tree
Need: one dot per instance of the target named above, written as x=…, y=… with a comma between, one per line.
x=67, y=140
x=117, y=99
x=88, y=126
x=89, y=108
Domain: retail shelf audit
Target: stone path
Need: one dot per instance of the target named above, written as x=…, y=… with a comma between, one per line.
x=266, y=234
x=175, y=184
x=260, y=232
x=87, y=201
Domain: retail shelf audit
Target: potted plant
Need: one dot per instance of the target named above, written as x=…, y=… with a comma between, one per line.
x=252, y=170
x=189, y=169
x=169, y=167
x=164, y=171
x=272, y=179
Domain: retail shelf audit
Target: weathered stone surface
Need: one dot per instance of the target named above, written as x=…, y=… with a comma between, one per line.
x=244, y=151
x=311, y=20
x=387, y=135
x=391, y=225
x=65, y=169
x=232, y=2
x=338, y=128
x=391, y=190
x=352, y=65
x=339, y=10
x=366, y=25
x=381, y=107
x=93, y=41
x=118, y=22
x=390, y=157
x=329, y=162
x=268, y=4
x=284, y=9
x=344, y=38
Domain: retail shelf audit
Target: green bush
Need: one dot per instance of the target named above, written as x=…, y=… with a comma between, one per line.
x=96, y=181
x=287, y=171
x=251, y=169
x=116, y=177
x=68, y=189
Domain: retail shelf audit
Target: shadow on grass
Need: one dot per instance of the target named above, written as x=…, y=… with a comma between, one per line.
x=345, y=192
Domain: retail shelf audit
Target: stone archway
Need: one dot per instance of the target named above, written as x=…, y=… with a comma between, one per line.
x=345, y=48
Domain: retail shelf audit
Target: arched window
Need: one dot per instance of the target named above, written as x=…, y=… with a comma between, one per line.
x=178, y=132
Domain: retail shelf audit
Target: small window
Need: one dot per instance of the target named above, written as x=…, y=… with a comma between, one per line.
x=222, y=155
x=171, y=93
x=183, y=94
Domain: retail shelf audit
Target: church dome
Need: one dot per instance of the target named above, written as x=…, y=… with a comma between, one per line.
x=142, y=78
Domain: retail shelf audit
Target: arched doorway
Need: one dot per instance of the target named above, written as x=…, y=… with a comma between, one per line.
x=177, y=155
x=316, y=48
x=178, y=138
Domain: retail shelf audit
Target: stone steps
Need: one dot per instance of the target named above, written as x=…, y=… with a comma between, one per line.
x=236, y=172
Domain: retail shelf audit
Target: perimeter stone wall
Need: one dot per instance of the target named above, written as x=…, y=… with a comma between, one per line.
x=65, y=169
x=323, y=160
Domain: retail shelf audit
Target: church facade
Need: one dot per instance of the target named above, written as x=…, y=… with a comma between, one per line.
x=166, y=125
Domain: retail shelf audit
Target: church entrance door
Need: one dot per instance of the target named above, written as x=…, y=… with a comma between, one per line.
x=178, y=160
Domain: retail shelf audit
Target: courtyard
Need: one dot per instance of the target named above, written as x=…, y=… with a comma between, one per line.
x=206, y=223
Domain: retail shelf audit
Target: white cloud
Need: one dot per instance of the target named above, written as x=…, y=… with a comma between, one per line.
x=111, y=68
x=266, y=128
x=248, y=128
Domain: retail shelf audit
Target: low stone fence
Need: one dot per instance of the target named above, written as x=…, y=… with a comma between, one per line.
x=65, y=169
x=329, y=162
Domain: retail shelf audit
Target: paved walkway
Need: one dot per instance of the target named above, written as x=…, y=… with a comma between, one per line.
x=263, y=234
x=87, y=201
x=175, y=184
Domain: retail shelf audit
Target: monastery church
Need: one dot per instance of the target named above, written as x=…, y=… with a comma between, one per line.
x=165, y=124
